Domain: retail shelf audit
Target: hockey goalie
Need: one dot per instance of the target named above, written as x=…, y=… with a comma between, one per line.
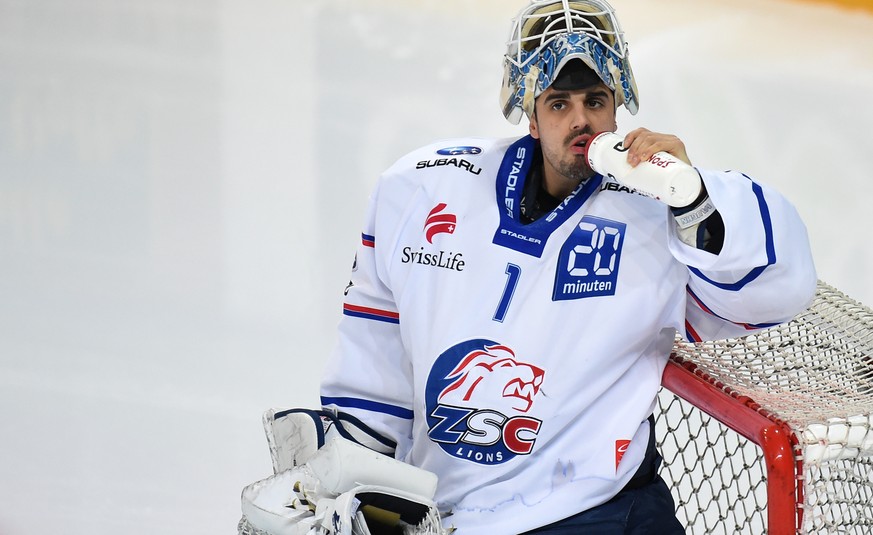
x=333, y=475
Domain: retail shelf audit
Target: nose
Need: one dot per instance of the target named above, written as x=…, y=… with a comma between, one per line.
x=579, y=119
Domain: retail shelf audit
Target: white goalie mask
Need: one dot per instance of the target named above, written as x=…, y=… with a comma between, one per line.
x=549, y=33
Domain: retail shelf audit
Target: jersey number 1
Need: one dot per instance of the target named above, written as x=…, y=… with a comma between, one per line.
x=513, y=272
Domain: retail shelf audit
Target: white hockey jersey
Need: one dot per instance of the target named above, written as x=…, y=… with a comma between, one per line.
x=520, y=362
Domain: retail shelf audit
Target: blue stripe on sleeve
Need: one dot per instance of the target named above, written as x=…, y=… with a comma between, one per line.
x=769, y=245
x=368, y=405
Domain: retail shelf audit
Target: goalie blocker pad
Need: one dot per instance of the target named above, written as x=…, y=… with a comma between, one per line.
x=375, y=510
x=344, y=488
x=363, y=510
x=343, y=464
x=294, y=435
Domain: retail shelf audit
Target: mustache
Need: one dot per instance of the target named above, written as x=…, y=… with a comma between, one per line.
x=585, y=130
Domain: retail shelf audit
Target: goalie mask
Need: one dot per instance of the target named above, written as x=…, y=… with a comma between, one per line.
x=546, y=35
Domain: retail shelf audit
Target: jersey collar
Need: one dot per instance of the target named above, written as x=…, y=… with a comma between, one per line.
x=531, y=238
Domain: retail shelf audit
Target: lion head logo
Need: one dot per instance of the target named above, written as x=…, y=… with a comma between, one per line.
x=493, y=374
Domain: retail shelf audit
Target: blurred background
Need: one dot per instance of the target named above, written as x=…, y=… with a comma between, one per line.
x=182, y=186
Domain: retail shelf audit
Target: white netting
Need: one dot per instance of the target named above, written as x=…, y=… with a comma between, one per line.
x=717, y=476
x=815, y=374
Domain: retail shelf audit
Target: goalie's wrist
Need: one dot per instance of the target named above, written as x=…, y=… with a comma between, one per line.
x=694, y=213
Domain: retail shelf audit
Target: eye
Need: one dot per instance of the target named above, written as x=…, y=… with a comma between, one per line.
x=595, y=103
x=558, y=105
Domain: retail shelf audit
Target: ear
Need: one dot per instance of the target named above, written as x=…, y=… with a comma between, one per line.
x=533, y=127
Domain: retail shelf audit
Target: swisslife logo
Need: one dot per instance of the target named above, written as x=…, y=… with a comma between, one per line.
x=479, y=398
x=438, y=222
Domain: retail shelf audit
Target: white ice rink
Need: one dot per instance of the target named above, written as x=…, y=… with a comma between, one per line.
x=182, y=182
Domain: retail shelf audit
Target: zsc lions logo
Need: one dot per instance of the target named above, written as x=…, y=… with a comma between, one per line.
x=478, y=396
x=454, y=151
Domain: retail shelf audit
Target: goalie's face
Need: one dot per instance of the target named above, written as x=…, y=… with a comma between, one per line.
x=563, y=122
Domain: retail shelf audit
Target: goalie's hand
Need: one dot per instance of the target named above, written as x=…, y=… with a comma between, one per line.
x=641, y=144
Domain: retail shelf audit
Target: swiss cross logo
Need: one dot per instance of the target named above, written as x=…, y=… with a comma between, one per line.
x=620, y=450
x=439, y=222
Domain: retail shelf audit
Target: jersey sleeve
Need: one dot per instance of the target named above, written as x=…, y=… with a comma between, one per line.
x=764, y=273
x=368, y=374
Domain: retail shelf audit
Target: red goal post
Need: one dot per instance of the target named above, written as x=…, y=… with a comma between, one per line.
x=773, y=432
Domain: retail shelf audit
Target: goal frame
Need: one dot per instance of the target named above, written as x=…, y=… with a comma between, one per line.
x=783, y=464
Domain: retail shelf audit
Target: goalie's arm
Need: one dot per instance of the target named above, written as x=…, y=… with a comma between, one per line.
x=368, y=375
x=763, y=273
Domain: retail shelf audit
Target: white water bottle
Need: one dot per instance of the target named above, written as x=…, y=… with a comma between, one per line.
x=663, y=176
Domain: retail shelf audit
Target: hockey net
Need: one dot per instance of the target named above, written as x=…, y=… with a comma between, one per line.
x=773, y=432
